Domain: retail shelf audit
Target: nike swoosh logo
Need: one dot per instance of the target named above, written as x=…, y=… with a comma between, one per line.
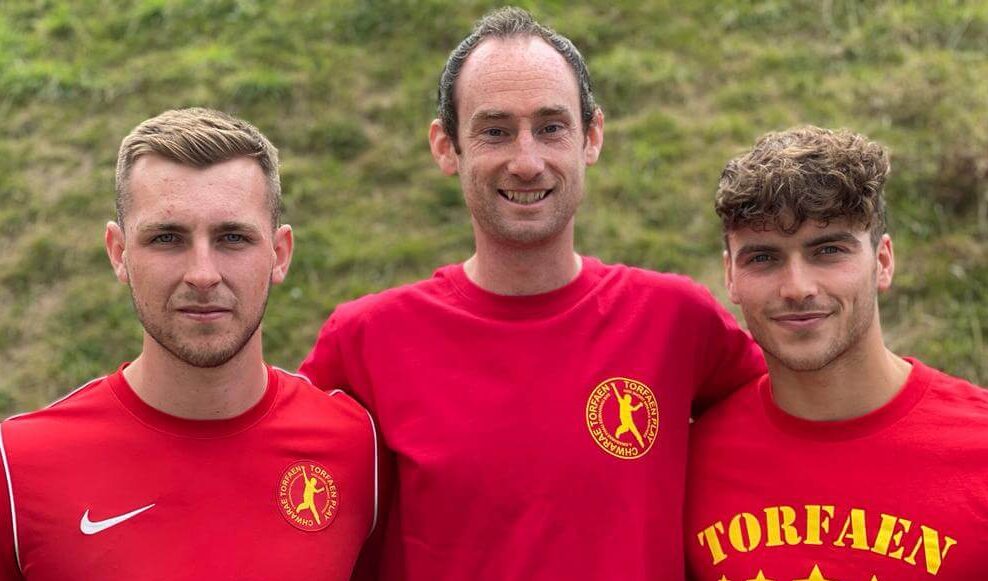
x=89, y=527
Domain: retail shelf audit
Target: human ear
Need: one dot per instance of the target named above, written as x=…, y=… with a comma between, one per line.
x=116, y=250
x=885, y=263
x=442, y=148
x=284, y=245
x=594, y=140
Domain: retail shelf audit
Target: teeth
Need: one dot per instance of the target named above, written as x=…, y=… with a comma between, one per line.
x=525, y=197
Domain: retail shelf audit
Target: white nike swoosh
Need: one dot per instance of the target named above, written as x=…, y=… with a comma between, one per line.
x=89, y=527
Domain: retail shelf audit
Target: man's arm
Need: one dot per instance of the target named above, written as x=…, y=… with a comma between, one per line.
x=324, y=365
x=730, y=359
x=368, y=566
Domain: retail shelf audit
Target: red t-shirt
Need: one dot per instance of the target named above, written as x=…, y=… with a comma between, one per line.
x=899, y=494
x=535, y=437
x=102, y=486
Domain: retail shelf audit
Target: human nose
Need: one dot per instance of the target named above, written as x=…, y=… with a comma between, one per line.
x=201, y=271
x=798, y=283
x=526, y=161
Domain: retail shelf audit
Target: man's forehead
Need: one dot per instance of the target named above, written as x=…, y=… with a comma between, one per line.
x=523, y=63
x=156, y=166
x=809, y=230
x=499, y=54
x=165, y=191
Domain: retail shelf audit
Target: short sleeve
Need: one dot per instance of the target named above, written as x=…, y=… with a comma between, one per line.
x=8, y=556
x=324, y=365
x=731, y=360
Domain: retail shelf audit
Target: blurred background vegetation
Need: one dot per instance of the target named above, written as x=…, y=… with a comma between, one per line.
x=345, y=89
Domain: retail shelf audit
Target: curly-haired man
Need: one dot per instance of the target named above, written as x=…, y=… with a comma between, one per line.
x=845, y=461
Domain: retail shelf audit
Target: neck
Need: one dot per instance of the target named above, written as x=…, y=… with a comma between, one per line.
x=523, y=271
x=856, y=383
x=174, y=387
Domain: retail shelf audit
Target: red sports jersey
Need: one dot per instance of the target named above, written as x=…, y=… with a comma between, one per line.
x=100, y=485
x=539, y=437
x=900, y=494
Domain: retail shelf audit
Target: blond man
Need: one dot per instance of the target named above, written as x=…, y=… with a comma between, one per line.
x=191, y=461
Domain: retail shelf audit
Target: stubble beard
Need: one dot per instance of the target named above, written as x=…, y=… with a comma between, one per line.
x=842, y=344
x=201, y=356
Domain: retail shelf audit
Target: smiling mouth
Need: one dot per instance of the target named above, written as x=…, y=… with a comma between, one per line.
x=800, y=319
x=524, y=197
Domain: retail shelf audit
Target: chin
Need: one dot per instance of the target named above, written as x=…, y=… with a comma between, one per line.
x=801, y=361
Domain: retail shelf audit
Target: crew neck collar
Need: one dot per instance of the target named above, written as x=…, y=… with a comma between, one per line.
x=512, y=307
x=909, y=395
x=177, y=426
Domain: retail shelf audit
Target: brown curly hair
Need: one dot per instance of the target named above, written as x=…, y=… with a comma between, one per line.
x=805, y=173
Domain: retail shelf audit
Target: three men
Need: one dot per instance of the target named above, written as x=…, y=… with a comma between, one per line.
x=846, y=462
x=536, y=401
x=196, y=460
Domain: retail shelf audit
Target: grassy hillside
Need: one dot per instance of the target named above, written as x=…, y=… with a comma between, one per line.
x=345, y=89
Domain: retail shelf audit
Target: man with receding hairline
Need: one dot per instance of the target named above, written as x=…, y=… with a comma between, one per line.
x=845, y=462
x=197, y=460
x=535, y=401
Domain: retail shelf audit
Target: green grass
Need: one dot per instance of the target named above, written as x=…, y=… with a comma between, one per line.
x=346, y=90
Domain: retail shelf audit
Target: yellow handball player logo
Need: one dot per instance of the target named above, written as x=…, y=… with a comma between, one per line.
x=308, y=496
x=623, y=417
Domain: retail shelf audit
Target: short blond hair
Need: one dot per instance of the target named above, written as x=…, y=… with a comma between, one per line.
x=197, y=137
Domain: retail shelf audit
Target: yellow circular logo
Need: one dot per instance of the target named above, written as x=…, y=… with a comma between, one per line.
x=308, y=496
x=623, y=417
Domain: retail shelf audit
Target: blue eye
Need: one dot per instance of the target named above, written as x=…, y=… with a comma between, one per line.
x=233, y=238
x=166, y=238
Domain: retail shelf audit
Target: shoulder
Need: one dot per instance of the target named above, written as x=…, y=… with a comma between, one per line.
x=327, y=408
x=394, y=300
x=83, y=415
x=70, y=408
x=665, y=284
x=739, y=410
x=954, y=396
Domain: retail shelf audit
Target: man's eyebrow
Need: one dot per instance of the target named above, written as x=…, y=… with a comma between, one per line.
x=845, y=237
x=228, y=226
x=163, y=227
x=753, y=248
x=499, y=115
x=232, y=226
x=489, y=115
x=552, y=111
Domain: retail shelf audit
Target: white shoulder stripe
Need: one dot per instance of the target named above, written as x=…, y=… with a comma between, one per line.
x=376, y=469
x=10, y=493
x=293, y=374
x=76, y=390
x=331, y=393
x=6, y=467
x=64, y=397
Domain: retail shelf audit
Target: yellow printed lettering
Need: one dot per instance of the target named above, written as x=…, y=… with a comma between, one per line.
x=854, y=527
x=779, y=520
x=708, y=538
x=911, y=559
x=888, y=535
x=931, y=548
x=817, y=519
x=751, y=527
